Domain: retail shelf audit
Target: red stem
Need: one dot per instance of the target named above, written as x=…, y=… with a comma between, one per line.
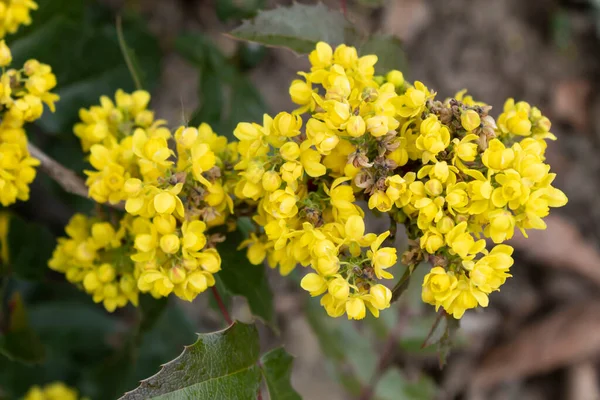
x=221, y=305
x=344, y=7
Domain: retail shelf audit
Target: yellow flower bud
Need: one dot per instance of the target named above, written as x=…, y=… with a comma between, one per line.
x=271, y=181
x=290, y=151
x=169, y=243
x=164, y=203
x=356, y=126
x=106, y=273
x=177, y=275
x=102, y=233
x=5, y=55
x=470, y=120
x=300, y=92
x=210, y=260
x=198, y=281
x=91, y=281
x=380, y=296
x=355, y=308
x=164, y=224
x=395, y=77
x=288, y=124
x=328, y=266
x=339, y=288
x=433, y=187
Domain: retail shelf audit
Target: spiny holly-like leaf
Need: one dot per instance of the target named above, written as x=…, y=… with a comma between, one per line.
x=20, y=342
x=220, y=365
x=298, y=27
x=277, y=369
x=244, y=279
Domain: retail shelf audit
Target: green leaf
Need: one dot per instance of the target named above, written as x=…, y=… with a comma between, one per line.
x=219, y=365
x=244, y=279
x=277, y=369
x=354, y=359
x=20, y=342
x=30, y=247
x=92, y=64
x=226, y=95
x=393, y=385
x=151, y=309
x=298, y=27
x=235, y=9
x=388, y=49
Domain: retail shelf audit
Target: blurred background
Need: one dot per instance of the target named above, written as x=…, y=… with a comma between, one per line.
x=540, y=336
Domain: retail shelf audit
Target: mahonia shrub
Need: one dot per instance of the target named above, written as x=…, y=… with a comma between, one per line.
x=358, y=145
x=446, y=170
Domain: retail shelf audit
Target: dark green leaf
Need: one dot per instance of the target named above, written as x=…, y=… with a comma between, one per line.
x=91, y=64
x=219, y=365
x=20, y=342
x=388, y=49
x=277, y=368
x=354, y=359
x=447, y=340
x=30, y=247
x=393, y=385
x=235, y=9
x=150, y=309
x=298, y=27
x=244, y=279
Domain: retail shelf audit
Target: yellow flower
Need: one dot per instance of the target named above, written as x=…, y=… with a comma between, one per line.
x=438, y=286
x=464, y=296
x=321, y=57
x=51, y=391
x=497, y=157
x=412, y=102
x=355, y=308
x=313, y=283
x=433, y=138
x=382, y=258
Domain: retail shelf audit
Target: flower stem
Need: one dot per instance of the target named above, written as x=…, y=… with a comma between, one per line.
x=221, y=305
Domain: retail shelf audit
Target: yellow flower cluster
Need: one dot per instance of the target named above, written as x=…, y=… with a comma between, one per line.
x=96, y=255
x=445, y=169
x=52, y=391
x=161, y=246
x=22, y=95
x=179, y=201
x=14, y=13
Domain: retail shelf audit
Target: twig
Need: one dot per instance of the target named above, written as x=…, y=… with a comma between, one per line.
x=221, y=305
x=126, y=55
x=66, y=178
x=385, y=359
x=344, y=7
